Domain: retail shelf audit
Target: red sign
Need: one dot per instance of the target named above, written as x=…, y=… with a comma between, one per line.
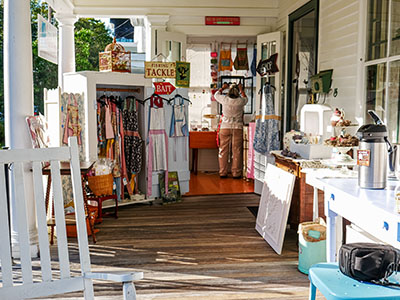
x=223, y=21
x=163, y=88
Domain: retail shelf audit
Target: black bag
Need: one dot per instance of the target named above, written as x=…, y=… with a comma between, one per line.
x=369, y=262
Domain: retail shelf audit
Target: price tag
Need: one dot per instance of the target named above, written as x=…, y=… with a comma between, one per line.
x=125, y=181
x=363, y=157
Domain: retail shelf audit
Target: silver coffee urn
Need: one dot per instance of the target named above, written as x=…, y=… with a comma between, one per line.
x=372, y=155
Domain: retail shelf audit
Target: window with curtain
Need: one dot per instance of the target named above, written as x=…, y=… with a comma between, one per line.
x=382, y=64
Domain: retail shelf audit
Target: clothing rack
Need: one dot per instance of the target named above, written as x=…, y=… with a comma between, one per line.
x=118, y=90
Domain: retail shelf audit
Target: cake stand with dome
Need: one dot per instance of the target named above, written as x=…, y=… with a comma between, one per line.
x=341, y=159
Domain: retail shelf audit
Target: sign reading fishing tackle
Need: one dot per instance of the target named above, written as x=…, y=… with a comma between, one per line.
x=182, y=74
x=157, y=69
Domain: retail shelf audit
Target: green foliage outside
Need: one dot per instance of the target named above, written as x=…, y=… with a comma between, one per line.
x=91, y=37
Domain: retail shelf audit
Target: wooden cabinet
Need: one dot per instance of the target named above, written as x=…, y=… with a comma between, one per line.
x=201, y=140
x=301, y=208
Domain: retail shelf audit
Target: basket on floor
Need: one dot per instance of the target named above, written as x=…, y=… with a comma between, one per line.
x=101, y=184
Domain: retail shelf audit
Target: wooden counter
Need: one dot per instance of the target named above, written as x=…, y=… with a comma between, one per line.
x=301, y=208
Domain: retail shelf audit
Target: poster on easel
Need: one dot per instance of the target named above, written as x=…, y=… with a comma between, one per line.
x=274, y=206
x=174, y=191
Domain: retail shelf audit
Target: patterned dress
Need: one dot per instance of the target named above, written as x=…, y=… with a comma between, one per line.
x=132, y=141
x=266, y=137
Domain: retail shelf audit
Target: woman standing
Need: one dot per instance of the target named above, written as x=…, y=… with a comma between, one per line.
x=231, y=130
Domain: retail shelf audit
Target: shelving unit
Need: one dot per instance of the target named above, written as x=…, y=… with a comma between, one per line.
x=90, y=83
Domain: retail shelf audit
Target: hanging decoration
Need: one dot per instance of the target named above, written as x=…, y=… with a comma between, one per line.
x=225, y=59
x=241, y=60
x=182, y=74
x=163, y=88
x=115, y=59
x=268, y=66
x=214, y=70
x=157, y=69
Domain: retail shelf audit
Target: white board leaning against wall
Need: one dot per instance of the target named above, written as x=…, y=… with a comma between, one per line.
x=274, y=206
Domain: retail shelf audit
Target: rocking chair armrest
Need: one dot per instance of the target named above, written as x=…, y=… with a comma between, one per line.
x=116, y=276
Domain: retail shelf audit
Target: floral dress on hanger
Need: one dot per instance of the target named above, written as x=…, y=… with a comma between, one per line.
x=266, y=137
x=132, y=141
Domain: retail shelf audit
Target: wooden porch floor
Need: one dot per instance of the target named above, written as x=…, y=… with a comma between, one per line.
x=205, y=247
x=211, y=184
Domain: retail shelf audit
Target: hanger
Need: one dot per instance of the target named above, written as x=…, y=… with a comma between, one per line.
x=155, y=95
x=162, y=55
x=135, y=99
x=265, y=85
x=180, y=97
x=102, y=100
x=152, y=102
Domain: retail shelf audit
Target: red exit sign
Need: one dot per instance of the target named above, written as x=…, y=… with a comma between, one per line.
x=223, y=21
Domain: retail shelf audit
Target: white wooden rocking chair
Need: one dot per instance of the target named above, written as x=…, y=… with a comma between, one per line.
x=48, y=285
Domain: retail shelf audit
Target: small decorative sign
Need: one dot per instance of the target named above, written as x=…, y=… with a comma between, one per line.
x=268, y=66
x=157, y=69
x=363, y=157
x=224, y=21
x=182, y=74
x=163, y=88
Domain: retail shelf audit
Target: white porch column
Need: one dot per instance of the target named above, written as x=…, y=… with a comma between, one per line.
x=66, y=45
x=18, y=100
x=154, y=23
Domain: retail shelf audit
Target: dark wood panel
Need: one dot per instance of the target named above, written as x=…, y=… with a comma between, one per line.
x=203, y=139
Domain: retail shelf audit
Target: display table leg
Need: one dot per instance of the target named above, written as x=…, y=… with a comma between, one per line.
x=195, y=160
x=315, y=204
x=330, y=228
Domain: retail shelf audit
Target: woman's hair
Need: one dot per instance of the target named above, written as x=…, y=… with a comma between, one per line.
x=233, y=91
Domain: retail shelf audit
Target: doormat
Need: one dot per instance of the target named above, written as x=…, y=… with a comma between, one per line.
x=253, y=210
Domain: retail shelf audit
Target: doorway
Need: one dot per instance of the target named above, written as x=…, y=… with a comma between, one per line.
x=302, y=59
x=205, y=113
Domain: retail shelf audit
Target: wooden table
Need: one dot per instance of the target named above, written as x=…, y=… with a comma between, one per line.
x=201, y=140
x=301, y=208
x=66, y=170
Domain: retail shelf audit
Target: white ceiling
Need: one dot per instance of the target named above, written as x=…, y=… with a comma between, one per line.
x=185, y=16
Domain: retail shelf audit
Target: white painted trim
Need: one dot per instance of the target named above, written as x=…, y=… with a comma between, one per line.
x=45, y=260
x=232, y=31
x=127, y=12
x=22, y=155
x=5, y=251
x=22, y=221
x=62, y=242
x=361, y=66
x=41, y=290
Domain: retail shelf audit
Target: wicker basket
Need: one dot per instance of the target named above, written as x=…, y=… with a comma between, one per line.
x=101, y=184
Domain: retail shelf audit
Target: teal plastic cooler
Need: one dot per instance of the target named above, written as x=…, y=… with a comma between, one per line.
x=312, y=244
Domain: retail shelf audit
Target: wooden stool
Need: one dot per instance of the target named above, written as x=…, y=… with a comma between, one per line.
x=99, y=200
